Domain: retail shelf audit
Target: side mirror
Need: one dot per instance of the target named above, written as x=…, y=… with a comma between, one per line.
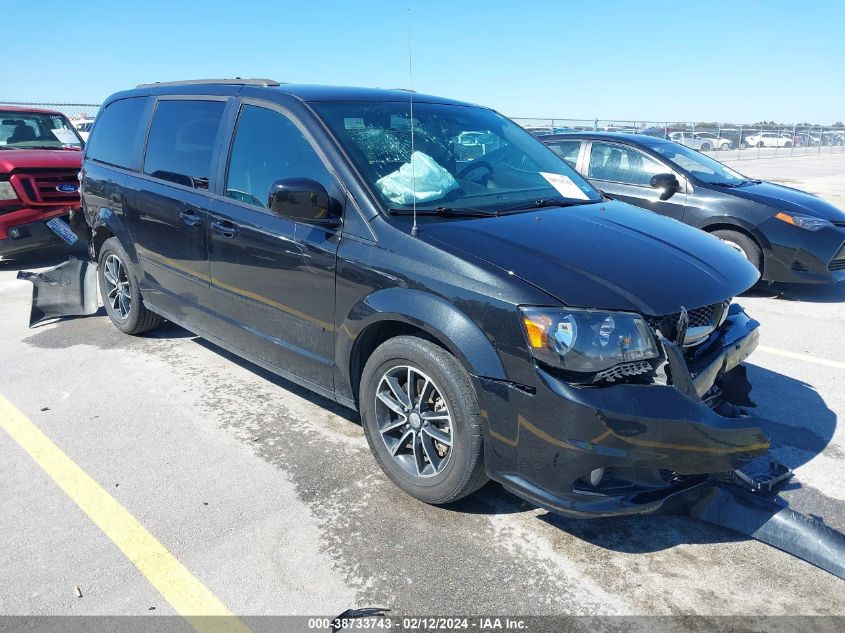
x=302, y=199
x=668, y=183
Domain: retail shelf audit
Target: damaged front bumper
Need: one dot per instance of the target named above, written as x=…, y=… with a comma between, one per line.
x=627, y=448
x=69, y=289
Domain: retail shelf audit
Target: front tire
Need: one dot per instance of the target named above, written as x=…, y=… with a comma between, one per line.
x=742, y=244
x=422, y=420
x=121, y=292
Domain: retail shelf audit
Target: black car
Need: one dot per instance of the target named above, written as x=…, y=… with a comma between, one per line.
x=489, y=315
x=789, y=235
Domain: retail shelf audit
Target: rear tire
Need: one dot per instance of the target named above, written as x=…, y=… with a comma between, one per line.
x=121, y=292
x=744, y=244
x=404, y=426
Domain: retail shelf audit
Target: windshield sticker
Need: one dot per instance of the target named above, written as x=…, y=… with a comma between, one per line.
x=353, y=123
x=65, y=136
x=565, y=186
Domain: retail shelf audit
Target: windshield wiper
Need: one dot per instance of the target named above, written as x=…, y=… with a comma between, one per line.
x=49, y=147
x=741, y=183
x=547, y=202
x=447, y=212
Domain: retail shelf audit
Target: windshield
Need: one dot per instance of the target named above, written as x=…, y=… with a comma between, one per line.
x=464, y=157
x=699, y=165
x=22, y=130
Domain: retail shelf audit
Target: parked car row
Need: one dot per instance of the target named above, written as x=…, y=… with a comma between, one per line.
x=716, y=139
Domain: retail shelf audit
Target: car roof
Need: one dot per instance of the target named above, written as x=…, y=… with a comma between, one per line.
x=22, y=109
x=635, y=139
x=304, y=92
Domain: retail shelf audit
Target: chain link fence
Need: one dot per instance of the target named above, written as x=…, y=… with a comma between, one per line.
x=735, y=141
x=73, y=111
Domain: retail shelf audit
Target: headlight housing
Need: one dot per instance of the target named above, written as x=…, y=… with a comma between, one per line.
x=803, y=221
x=586, y=341
x=7, y=191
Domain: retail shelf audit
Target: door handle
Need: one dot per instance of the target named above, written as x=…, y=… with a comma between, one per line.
x=224, y=228
x=190, y=216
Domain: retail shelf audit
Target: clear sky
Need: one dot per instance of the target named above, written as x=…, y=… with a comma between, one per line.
x=682, y=60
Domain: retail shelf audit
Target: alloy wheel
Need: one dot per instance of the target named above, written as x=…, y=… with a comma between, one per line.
x=117, y=286
x=414, y=421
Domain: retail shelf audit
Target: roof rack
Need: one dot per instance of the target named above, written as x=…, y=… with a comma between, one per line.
x=237, y=81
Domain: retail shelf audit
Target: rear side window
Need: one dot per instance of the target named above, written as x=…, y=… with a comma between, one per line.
x=113, y=140
x=567, y=150
x=181, y=141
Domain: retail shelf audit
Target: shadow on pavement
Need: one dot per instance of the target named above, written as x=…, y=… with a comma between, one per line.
x=809, y=293
x=45, y=258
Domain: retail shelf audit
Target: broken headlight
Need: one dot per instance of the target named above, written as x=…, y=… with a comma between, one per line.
x=587, y=341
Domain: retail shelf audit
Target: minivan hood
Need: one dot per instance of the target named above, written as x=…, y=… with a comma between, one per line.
x=11, y=159
x=781, y=198
x=605, y=255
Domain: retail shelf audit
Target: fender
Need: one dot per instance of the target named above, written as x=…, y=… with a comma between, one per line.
x=747, y=226
x=426, y=311
x=107, y=220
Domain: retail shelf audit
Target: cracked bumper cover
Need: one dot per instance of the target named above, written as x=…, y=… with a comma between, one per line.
x=542, y=445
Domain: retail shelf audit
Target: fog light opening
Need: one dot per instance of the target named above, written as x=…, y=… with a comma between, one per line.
x=595, y=477
x=14, y=232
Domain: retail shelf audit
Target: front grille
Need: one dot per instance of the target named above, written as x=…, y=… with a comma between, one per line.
x=708, y=318
x=838, y=261
x=623, y=371
x=40, y=187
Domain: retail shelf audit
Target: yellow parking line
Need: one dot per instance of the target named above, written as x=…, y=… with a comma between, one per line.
x=185, y=593
x=805, y=357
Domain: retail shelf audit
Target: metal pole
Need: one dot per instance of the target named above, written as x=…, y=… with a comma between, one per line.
x=760, y=142
x=739, y=144
x=794, y=137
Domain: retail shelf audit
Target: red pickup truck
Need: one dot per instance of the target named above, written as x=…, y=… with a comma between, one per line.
x=40, y=158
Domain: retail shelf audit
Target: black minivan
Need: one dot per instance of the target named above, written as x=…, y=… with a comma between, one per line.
x=434, y=266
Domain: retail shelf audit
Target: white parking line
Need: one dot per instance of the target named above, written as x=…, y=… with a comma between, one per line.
x=805, y=357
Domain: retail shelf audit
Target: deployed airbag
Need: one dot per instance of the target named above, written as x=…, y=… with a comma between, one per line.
x=422, y=178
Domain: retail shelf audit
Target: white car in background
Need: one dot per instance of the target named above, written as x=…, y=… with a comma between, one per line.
x=84, y=128
x=703, y=141
x=769, y=139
